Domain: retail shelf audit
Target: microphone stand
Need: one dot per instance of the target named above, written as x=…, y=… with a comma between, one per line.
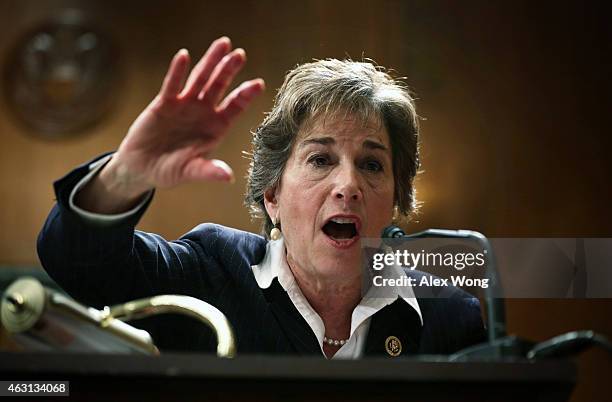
x=498, y=344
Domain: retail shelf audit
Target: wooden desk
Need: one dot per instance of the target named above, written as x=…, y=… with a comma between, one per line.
x=191, y=377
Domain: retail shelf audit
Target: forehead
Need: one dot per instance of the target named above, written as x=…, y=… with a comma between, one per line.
x=344, y=127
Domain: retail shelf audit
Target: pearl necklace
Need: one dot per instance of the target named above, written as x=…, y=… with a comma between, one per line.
x=334, y=342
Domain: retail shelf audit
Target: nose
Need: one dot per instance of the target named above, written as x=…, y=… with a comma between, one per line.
x=347, y=186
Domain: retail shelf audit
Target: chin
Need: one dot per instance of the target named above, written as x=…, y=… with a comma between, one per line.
x=342, y=262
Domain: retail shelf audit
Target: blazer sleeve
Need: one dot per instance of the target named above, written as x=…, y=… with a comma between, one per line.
x=108, y=264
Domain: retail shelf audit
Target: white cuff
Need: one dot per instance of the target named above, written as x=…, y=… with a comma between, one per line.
x=95, y=218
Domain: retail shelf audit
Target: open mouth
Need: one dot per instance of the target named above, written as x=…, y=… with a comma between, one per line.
x=341, y=229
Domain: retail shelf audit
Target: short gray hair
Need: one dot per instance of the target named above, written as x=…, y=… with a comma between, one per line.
x=323, y=88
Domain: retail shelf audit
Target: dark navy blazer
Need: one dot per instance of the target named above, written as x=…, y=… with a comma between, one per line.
x=101, y=266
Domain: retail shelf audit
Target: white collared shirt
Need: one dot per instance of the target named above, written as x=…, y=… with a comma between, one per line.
x=274, y=265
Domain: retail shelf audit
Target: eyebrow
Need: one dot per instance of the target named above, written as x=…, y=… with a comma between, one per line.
x=368, y=144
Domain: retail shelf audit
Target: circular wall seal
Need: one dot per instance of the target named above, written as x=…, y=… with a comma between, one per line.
x=59, y=76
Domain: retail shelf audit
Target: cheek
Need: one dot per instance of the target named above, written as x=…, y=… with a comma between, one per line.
x=381, y=207
x=300, y=202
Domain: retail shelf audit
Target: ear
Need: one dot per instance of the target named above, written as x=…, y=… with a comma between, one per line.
x=271, y=202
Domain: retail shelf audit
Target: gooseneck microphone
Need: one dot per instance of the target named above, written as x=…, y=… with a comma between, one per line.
x=569, y=344
x=499, y=343
x=496, y=314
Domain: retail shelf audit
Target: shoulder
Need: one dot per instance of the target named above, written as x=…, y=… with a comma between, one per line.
x=224, y=241
x=449, y=307
x=423, y=279
x=215, y=233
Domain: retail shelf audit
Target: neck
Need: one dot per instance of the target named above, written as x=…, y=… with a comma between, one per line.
x=333, y=300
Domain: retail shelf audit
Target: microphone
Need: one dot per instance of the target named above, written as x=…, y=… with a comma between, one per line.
x=569, y=344
x=499, y=343
x=496, y=314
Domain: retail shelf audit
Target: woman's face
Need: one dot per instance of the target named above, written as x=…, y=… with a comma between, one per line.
x=337, y=186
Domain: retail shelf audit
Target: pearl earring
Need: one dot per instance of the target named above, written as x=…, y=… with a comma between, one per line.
x=275, y=233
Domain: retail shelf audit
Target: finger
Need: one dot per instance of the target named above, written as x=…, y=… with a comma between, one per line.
x=173, y=81
x=208, y=170
x=240, y=98
x=201, y=72
x=222, y=76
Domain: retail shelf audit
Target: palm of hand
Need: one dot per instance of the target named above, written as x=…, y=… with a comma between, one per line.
x=170, y=141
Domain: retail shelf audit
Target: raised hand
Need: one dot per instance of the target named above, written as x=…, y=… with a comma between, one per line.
x=169, y=143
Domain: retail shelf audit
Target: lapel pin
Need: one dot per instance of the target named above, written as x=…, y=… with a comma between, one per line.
x=393, y=346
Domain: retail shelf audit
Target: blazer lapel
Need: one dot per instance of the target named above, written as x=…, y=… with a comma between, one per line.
x=297, y=333
x=296, y=329
x=395, y=331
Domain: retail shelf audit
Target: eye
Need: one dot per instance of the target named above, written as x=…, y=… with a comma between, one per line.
x=373, y=166
x=319, y=160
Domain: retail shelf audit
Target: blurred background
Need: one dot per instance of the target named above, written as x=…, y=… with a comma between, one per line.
x=514, y=96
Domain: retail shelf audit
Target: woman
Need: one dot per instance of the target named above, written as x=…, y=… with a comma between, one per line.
x=332, y=162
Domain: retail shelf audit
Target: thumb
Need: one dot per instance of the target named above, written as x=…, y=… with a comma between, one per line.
x=208, y=170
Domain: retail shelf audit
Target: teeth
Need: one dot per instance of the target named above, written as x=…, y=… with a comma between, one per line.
x=343, y=220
